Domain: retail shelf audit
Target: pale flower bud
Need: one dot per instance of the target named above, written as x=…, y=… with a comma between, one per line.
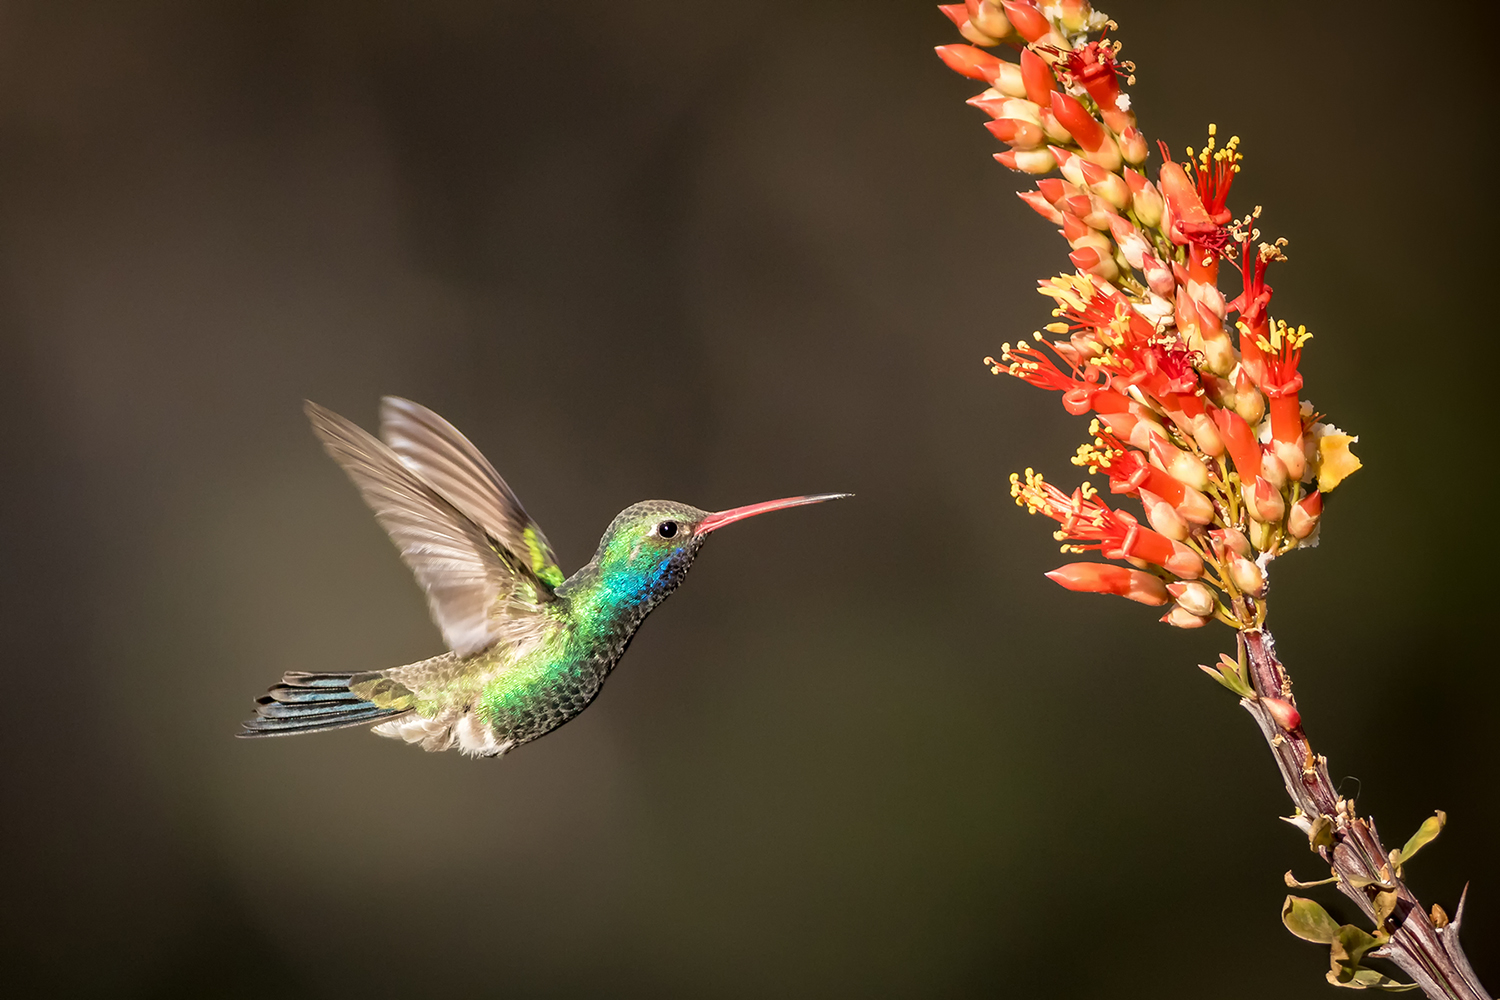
x=1248, y=402
x=1230, y=540
x=1183, y=618
x=1272, y=469
x=1193, y=597
x=1247, y=576
x=1263, y=501
x=1163, y=517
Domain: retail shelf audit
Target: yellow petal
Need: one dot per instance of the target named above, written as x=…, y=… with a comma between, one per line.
x=1336, y=462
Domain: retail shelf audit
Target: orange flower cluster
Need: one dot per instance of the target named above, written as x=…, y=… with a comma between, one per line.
x=1196, y=397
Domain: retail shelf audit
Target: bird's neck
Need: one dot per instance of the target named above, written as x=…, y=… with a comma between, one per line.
x=606, y=606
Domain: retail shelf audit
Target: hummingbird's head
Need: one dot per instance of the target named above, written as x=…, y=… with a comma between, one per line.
x=649, y=546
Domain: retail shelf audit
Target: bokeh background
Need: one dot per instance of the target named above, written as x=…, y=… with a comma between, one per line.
x=716, y=253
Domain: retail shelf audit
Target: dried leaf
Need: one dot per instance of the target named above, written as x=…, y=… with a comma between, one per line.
x=1425, y=834
x=1292, y=883
x=1336, y=461
x=1321, y=833
x=1309, y=921
x=1384, y=904
x=1361, y=881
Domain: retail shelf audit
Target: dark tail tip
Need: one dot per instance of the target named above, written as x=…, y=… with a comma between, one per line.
x=311, y=703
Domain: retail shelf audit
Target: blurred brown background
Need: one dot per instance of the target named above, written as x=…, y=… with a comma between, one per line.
x=716, y=253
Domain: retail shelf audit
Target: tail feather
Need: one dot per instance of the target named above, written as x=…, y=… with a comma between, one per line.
x=312, y=703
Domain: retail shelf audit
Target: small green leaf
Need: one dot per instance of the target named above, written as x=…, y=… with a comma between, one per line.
x=1350, y=944
x=1230, y=680
x=1309, y=921
x=1367, y=979
x=1426, y=833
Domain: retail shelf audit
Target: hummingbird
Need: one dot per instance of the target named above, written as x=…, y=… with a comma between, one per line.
x=528, y=649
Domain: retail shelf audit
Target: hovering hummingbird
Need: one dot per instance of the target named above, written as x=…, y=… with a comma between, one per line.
x=528, y=649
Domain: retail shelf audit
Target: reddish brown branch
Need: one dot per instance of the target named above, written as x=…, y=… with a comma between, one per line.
x=1426, y=948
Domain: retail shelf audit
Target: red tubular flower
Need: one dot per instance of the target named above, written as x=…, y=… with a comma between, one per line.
x=1192, y=219
x=1029, y=363
x=1093, y=67
x=1281, y=381
x=1104, y=578
x=1088, y=524
x=1213, y=174
x=1240, y=441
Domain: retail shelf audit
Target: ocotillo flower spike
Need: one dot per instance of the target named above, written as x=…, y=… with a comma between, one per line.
x=1198, y=413
x=1198, y=396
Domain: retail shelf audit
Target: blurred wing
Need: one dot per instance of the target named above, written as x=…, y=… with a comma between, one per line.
x=444, y=459
x=475, y=597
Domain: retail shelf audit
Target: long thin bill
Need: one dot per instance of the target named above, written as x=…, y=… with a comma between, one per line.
x=713, y=522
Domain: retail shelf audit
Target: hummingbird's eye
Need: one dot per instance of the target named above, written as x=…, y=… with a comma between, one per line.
x=667, y=529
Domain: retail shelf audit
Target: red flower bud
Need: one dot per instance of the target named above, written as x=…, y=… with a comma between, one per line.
x=1037, y=76
x=1029, y=22
x=1100, y=265
x=1036, y=201
x=969, y=61
x=1286, y=716
x=1303, y=519
x=1019, y=133
x=1079, y=123
x=1264, y=501
x=1103, y=578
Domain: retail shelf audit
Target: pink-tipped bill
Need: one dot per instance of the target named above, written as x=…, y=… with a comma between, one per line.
x=713, y=522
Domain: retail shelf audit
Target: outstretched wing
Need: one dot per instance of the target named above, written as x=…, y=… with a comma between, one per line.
x=475, y=593
x=436, y=451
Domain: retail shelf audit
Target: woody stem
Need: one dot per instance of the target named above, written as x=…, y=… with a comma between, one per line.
x=1429, y=954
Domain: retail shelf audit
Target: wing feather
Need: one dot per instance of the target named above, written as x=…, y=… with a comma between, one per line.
x=446, y=460
x=475, y=596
